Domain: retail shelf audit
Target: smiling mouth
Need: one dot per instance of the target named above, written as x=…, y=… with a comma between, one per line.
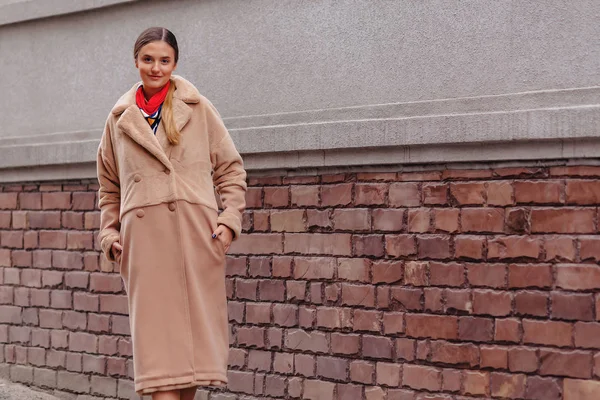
x=154, y=77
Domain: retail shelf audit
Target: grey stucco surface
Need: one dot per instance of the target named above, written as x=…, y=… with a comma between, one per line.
x=298, y=80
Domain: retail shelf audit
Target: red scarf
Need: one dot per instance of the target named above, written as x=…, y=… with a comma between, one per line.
x=150, y=106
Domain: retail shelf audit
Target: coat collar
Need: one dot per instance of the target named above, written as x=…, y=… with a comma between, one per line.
x=133, y=123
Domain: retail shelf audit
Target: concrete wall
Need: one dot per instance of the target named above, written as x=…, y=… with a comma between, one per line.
x=398, y=75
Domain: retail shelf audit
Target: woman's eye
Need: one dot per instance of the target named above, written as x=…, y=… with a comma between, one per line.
x=165, y=61
x=147, y=59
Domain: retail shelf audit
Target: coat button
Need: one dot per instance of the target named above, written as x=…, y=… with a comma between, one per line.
x=137, y=177
x=167, y=171
x=172, y=206
x=140, y=213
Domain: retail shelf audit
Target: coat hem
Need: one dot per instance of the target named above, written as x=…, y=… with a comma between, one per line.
x=151, y=385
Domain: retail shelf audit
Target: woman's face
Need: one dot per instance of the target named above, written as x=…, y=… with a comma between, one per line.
x=156, y=63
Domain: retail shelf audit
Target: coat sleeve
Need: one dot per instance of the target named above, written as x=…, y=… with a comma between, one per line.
x=229, y=176
x=109, y=194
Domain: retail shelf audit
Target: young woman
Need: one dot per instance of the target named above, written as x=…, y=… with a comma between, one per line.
x=163, y=153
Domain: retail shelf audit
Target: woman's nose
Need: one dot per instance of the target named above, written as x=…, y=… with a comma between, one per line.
x=155, y=67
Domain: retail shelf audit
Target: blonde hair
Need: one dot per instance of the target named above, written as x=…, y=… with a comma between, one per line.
x=171, y=130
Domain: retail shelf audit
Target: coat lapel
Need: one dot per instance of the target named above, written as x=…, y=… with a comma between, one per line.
x=133, y=124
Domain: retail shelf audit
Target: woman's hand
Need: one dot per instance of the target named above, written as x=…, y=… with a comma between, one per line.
x=117, y=249
x=225, y=235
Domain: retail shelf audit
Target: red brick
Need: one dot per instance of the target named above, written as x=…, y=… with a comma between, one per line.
x=574, y=364
x=314, y=268
x=61, y=299
x=522, y=359
x=404, y=195
x=572, y=306
x=44, y=219
x=358, y=295
x=91, y=220
x=589, y=248
x=84, y=200
x=507, y=385
x=251, y=336
x=475, y=329
x=409, y=299
x=108, y=283
x=435, y=194
x=259, y=360
x=317, y=390
x=538, y=192
x=258, y=244
x=332, y=368
x=31, y=277
x=388, y=374
x=336, y=195
x=240, y=381
x=476, y=383
x=514, y=247
x=74, y=320
x=107, y=345
x=400, y=245
x=261, y=220
x=370, y=193
x=56, y=201
x=528, y=275
x=433, y=299
x=575, y=389
x=22, y=258
x=30, y=240
x=587, y=335
x=377, y=347
x=559, y=248
x=562, y=220
x=494, y=357
x=120, y=325
x=42, y=259
x=389, y=220
x=111, y=303
x=582, y=192
x=347, y=344
x=67, y=260
x=73, y=220
x=446, y=219
x=507, y=330
x=415, y=273
x=531, y=303
x=431, y=326
x=30, y=201
x=368, y=245
x=258, y=313
x=288, y=221
x=490, y=302
x=434, y=247
x=85, y=302
x=84, y=342
x=367, y=320
x=482, y=219
x=254, y=197
x=5, y=220
x=578, y=276
x=305, y=195
x=80, y=241
x=355, y=269
x=304, y=364
x=98, y=323
x=276, y=196
x=421, y=377
x=551, y=333
x=453, y=353
x=450, y=274
x=316, y=243
x=490, y=275
x=419, y=220
x=471, y=193
x=8, y=201
x=518, y=221
x=297, y=339
x=11, y=239
x=352, y=219
x=5, y=259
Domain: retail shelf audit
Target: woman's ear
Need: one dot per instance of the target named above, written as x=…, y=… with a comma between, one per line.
x=136, y=62
x=175, y=67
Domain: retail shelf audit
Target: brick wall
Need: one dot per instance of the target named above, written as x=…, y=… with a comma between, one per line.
x=453, y=284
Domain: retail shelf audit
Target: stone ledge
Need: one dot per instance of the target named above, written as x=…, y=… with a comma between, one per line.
x=27, y=10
